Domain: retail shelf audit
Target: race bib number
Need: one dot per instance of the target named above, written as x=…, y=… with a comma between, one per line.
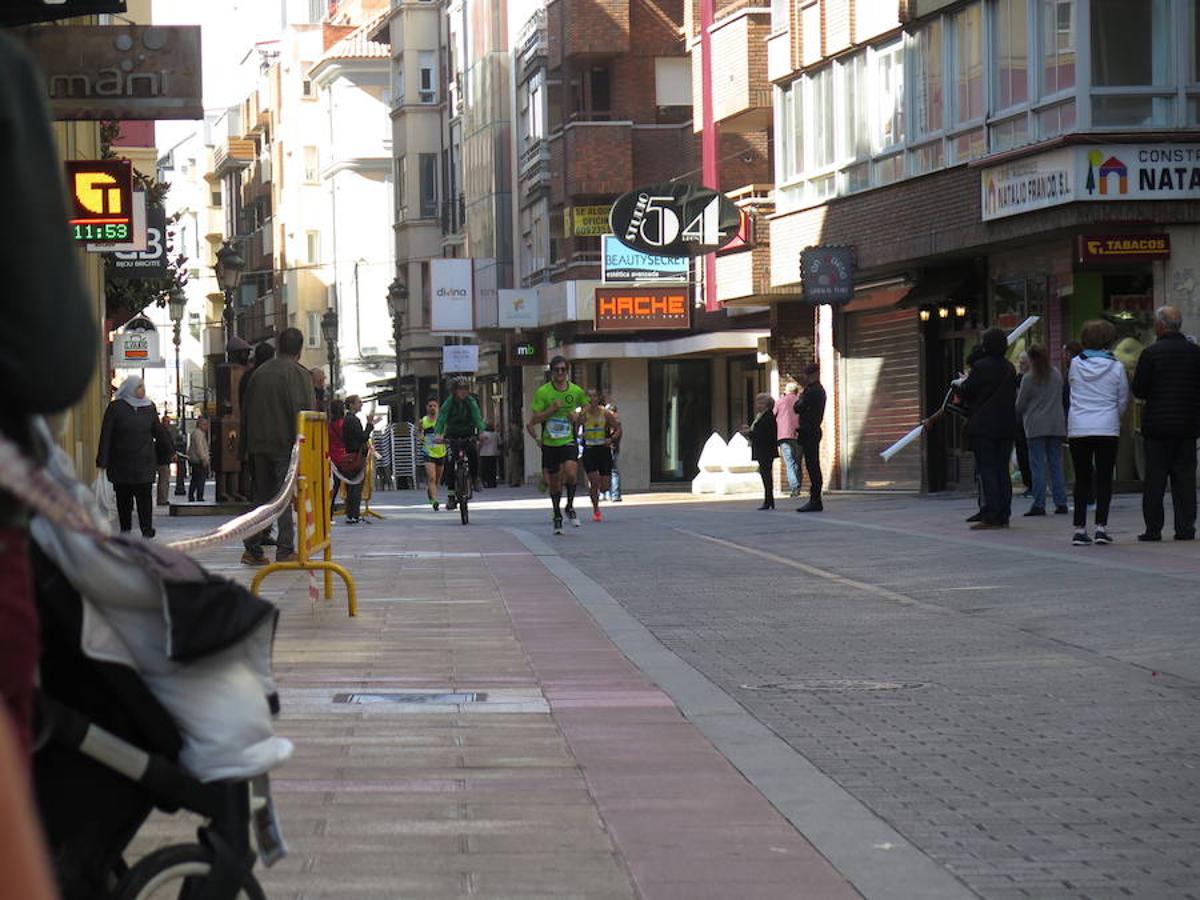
x=558, y=428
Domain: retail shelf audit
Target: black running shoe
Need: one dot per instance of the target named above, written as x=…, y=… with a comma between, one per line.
x=558, y=524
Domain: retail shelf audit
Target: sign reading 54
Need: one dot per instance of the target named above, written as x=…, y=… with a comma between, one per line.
x=674, y=220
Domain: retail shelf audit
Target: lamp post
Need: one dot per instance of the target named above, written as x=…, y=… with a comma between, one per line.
x=177, y=305
x=229, y=269
x=329, y=329
x=397, y=301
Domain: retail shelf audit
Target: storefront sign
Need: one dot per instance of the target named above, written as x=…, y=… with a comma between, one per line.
x=460, y=358
x=528, y=350
x=620, y=265
x=1091, y=173
x=1123, y=247
x=450, y=295
x=119, y=71
x=101, y=194
x=586, y=221
x=744, y=238
x=642, y=309
x=674, y=219
x=518, y=309
x=827, y=274
x=151, y=262
x=486, y=295
x=137, y=347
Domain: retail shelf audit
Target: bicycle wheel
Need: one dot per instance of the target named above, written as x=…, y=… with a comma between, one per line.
x=462, y=487
x=176, y=871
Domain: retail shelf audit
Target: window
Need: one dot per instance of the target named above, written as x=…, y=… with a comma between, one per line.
x=779, y=15
x=1011, y=47
x=427, y=75
x=312, y=244
x=1131, y=48
x=316, y=11
x=1057, y=46
x=927, y=79
x=401, y=188
x=854, y=139
x=398, y=86
x=810, y=33
x=785, y=167
x=214, y=198
x=968, y=65
x=819, y=121
x=673, y=81
x=312, y=334
x=888, y=94
x=428, y=172
x=308, y=90
x=312, y=164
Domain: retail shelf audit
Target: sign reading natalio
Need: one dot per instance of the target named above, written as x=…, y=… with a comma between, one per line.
x=1091, y=173
x=450, y=295
x=642, y=309
x=119, y=71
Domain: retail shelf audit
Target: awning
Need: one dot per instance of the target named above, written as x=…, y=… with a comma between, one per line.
x=939, y=285
x=878, y=298
x=688, y=345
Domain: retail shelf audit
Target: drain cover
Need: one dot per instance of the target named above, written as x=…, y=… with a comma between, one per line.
x=443, y=698
x=835, y=685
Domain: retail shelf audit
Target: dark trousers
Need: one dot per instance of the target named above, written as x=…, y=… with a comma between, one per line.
x=810, y=449
x=1094, y=459
x=1023, y=459
x=181, y=470
x=196, y=485
x=333, y=494
x=765, y=467
x=1173, y=458
x=269, y=472
x=143, y=494
x=354, y=494
x=991, y=467
x=487, y=465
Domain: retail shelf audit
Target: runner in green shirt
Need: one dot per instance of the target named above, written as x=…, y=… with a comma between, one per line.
x=556, y=406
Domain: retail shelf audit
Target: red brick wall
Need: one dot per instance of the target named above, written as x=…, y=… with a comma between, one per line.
x=745, y=159
x=660, y=154
x=793, y=339
x=599, y=158
x=554, y=33
x=597, y=27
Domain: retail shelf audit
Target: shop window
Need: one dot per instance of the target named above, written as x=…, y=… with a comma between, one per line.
x=1010, y=65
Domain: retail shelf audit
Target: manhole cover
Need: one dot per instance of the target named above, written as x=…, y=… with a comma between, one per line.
x=835, y=685
x=443, y=698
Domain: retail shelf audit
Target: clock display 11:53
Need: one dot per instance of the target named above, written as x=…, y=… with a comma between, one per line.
x=108, y=232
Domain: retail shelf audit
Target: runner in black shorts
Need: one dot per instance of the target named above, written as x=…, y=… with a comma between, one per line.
x=555, y=409
x=600, y=428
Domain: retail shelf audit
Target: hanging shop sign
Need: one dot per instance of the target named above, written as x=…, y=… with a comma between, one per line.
x=460, y=358
x=674, y=219
x=1091, y=173
x=642, y=309
x=827, y=274
x=152, y=261
x=137, y=346
x=621, y=265
x=450, y=295
x=518, y=308
x=1109, y=248
x=586, y=221
x=526, y=349
x=101, y=195
x=119, y=71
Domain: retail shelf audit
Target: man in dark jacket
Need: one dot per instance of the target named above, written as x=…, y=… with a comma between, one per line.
x=278, y=390
x=990, y=394
x=810, y=411
x=1168, y=379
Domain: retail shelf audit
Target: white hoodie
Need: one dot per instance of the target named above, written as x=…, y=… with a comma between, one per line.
x=1099, y=395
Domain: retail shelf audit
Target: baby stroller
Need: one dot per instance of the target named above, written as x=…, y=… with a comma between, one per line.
x=156, y=693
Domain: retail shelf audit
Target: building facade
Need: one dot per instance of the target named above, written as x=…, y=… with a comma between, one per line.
x=987, y=161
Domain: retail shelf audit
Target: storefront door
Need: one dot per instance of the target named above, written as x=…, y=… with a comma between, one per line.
x=746, y=380
x=680, y=417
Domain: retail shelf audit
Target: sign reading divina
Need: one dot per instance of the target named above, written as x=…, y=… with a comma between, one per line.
x=642, y=309
x=827, y=274
x=101, y=193
x=674, y=219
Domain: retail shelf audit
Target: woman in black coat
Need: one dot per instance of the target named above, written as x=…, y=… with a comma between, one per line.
x=127, y=453
x=764, y=444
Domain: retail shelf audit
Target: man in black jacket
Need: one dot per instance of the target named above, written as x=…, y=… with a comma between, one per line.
x=990, y=394
x=810, y=409
x=1168, y=379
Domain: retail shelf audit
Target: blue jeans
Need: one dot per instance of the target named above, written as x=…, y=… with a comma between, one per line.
x=614, y=488
x=787, y=452
x=1041, y=451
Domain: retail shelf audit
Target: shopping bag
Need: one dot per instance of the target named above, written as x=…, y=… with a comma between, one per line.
x=106, y=497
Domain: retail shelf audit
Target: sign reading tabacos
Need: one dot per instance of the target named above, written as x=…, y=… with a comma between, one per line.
x=642, y=309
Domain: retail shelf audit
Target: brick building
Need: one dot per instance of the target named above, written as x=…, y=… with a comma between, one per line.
x=971, y=153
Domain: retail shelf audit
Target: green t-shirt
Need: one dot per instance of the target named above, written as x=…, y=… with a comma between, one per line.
x=558, y=430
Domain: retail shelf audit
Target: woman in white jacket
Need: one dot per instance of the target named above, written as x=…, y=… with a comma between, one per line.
x=1099, y=395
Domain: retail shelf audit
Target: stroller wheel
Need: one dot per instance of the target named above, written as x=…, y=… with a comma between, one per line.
x=176, y=872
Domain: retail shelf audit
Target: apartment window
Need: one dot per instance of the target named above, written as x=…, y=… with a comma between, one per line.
x=928, y=82
x=308, y=90
x=854, y=138
x=1056, y=35
x=401, y=188
x=312, y=164
x=1011, y=49
x=214, y=198
x=819, y=120
x=428, y=166
x=810, y=33
x=888, y=96
x=785, y=167
x=398, y=86
x=1131, y=44
x=968, y=65
x=312, y=333
x=312, y=245
x=316, y=11
x=427, y=77
x=779, y=15
x=673, y=81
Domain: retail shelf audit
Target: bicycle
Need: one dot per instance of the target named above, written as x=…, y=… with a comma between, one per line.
x=460, y=460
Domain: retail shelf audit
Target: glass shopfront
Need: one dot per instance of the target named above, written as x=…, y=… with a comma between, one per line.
x=680, y=417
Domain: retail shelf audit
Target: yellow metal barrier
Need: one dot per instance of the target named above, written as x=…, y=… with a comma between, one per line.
x=369, y=483
x=313, y=521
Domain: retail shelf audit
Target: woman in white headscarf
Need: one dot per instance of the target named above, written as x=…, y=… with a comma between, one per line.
x=127, y=453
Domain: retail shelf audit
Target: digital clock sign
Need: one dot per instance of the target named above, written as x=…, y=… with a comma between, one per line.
x=101, y=193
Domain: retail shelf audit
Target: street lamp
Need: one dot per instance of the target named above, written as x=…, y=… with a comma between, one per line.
x=397, y=301
x=329, y=328
x=177, y=305
x=229, y=269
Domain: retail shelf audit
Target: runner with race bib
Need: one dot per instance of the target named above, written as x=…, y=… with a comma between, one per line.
x=555, y=407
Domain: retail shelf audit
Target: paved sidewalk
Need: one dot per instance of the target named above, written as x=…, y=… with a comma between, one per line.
x=571, y=775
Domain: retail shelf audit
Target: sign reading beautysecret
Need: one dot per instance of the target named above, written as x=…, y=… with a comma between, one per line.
x=101, y=194
x=674, y=219
x=621, y=265
x=450, y=295
x=642, y=309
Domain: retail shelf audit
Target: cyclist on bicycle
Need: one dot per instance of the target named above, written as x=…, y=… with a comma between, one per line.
x=459, y=419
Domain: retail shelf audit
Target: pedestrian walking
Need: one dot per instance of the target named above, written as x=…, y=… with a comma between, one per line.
x=1167, y=377
x=599, y=428
x=810, y=413
x=164, y=447
x=1040, y=409
x=199, y=456
x=989, y=392
x=277, y=392
x=764, y=445
x=489, y=455
x=355, y=438
x=179, y=433
x=128, y=454
x=1099, y=395
x=554, y=417
x=787, y=426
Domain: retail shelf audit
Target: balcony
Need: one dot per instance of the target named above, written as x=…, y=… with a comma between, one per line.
x=742, y=100
x=598, y=158
x=234, y=155
x=532, y=44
